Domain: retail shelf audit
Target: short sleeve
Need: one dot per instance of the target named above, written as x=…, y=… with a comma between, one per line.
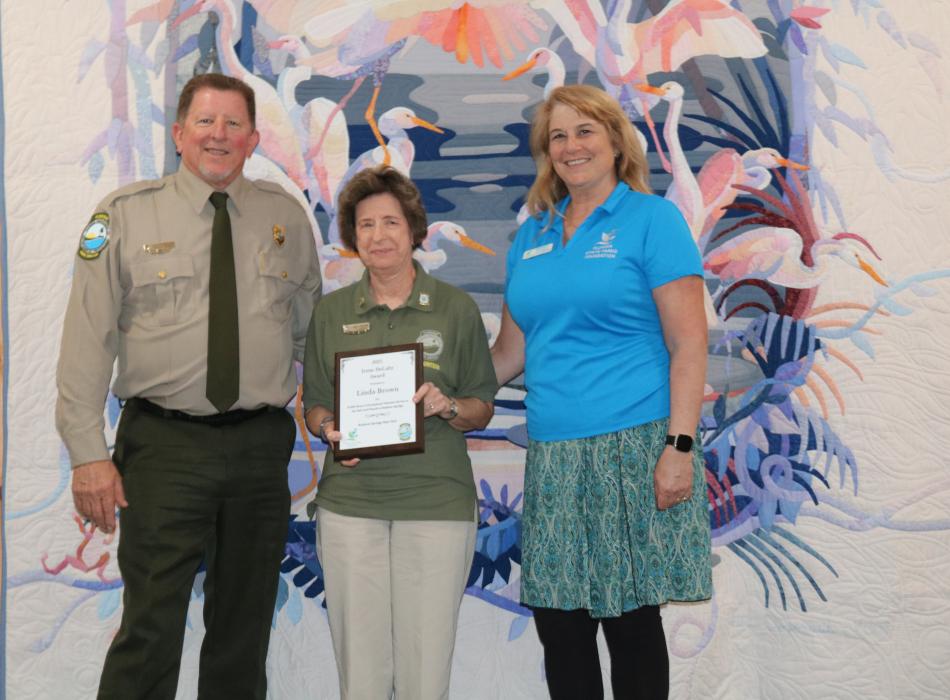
x=669, y=251
x=514, y=253
x=476, y=371
x=317, y=381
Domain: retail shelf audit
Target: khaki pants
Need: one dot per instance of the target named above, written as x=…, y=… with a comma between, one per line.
x=393, y=590
x=197, y=493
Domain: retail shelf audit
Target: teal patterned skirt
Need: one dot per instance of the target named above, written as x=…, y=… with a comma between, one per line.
x=592, y=536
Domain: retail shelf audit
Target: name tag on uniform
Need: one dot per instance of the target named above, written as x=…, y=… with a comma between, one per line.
x=159, y=248
x=535, y=252
x=355, y=328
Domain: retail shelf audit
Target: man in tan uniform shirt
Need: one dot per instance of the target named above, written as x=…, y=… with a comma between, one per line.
x=194, y=484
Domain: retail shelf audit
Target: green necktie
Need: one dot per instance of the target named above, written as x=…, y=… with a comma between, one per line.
x=223, y=352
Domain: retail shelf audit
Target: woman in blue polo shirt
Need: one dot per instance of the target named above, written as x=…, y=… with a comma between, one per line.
x=604, y=314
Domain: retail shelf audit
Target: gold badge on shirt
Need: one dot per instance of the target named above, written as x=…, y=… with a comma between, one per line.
x=355, y=328
x=279, y=235
x=159, y=248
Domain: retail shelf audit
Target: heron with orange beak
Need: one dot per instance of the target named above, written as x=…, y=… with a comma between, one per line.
x=774, y=254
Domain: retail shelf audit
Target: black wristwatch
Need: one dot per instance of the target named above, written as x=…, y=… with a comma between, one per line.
x=681, y=442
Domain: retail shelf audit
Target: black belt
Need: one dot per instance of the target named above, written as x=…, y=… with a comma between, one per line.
x=238, y=415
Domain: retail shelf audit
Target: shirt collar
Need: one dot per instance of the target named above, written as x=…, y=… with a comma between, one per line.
x=608, y=205
x=613, y=201
x=196, y=191
x=421, y=298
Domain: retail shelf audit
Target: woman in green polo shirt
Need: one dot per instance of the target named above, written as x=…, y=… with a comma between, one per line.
x=396, y=534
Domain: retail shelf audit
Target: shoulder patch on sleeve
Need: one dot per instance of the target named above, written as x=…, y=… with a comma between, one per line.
x=95, y=237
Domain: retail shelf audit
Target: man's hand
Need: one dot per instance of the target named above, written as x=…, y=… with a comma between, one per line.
x=97, y=489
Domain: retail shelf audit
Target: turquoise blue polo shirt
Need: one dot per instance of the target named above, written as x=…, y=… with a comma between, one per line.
x=595, y=359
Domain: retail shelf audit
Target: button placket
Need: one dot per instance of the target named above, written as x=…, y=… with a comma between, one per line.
x=391, y=320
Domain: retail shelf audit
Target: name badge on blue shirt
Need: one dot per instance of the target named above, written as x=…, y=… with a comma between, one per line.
x=535, y=252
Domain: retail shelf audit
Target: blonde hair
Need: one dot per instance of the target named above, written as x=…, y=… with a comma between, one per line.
x=631, y=163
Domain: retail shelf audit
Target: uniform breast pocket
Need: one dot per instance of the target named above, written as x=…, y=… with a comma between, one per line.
x=280, y=276
x=163, y=291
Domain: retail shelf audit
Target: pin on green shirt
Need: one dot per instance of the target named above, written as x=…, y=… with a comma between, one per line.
x=434, y=485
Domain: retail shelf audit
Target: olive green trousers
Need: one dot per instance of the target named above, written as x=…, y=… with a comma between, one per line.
x=198, y=493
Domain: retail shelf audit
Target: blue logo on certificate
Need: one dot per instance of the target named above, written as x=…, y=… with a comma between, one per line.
x=405, y=431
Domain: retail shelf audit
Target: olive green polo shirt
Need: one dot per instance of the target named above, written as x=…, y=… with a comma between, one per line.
x=436, y=484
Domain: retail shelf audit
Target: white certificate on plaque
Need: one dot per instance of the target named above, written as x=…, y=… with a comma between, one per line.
x=375, y=412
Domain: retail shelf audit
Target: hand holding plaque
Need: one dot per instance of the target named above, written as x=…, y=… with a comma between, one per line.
x=373, y=405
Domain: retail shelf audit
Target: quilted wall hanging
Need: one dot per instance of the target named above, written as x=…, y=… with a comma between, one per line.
x=805, y=143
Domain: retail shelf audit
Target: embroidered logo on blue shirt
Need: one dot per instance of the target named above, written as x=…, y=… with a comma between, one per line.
x=604, y=248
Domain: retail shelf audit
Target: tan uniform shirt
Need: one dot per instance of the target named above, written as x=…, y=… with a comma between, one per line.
x=144, y=300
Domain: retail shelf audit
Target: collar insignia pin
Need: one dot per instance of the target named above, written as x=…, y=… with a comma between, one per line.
x=423, y=299
x=279, y=235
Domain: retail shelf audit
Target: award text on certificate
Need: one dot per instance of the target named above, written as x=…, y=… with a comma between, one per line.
x=376, y=406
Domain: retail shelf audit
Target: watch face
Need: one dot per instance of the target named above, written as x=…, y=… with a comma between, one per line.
x=682, y=443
